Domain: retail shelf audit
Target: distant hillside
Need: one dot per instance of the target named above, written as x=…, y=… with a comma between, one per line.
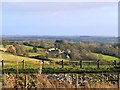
x=92, y=39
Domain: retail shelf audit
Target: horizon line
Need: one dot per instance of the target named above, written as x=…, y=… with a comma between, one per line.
x=59, y=35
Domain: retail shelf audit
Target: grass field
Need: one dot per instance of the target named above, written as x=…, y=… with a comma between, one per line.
x=30, y=47
x=24, y=46
x=30, y=63
x=10, y=61
x=105, y=57
x=58, y=59
x=33, y=54
x=77, y=69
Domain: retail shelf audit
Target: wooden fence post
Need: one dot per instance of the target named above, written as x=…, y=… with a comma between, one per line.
x=76, y=80
x=25, y=83
x=2, y=73
x=43, y=63
x=115, y=63
x=80, y=63
x=62, y=64
x=118, y=81
x=23, y=65
x=98, y=64
x=2, y=65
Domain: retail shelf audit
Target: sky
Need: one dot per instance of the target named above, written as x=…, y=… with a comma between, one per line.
x=60, y=18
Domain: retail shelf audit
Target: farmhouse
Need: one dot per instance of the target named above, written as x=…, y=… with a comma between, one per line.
x=54, y=51
x=3, y=50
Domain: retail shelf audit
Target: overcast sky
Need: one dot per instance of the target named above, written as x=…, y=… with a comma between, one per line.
x=94, y=19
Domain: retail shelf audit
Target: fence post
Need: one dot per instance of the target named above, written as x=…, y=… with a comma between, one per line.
x=76, y=80
x=2, y=65
x=118, y=81
x=98, y=64
x=25, y=83
x=23, y=65
x=2, y=73
x=80, y=63
x=62, y=64
x=115, y=63
x=43, y=63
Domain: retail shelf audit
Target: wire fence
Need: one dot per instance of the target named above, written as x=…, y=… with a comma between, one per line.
x=25, y=72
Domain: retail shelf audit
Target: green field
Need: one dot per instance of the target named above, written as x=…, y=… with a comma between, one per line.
x=58, y=59
x=77, y=69
x=24, y=46
x=30, y=47
x=10, y=61
x=30, y=63
x=33, y=54
x=105, y=57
